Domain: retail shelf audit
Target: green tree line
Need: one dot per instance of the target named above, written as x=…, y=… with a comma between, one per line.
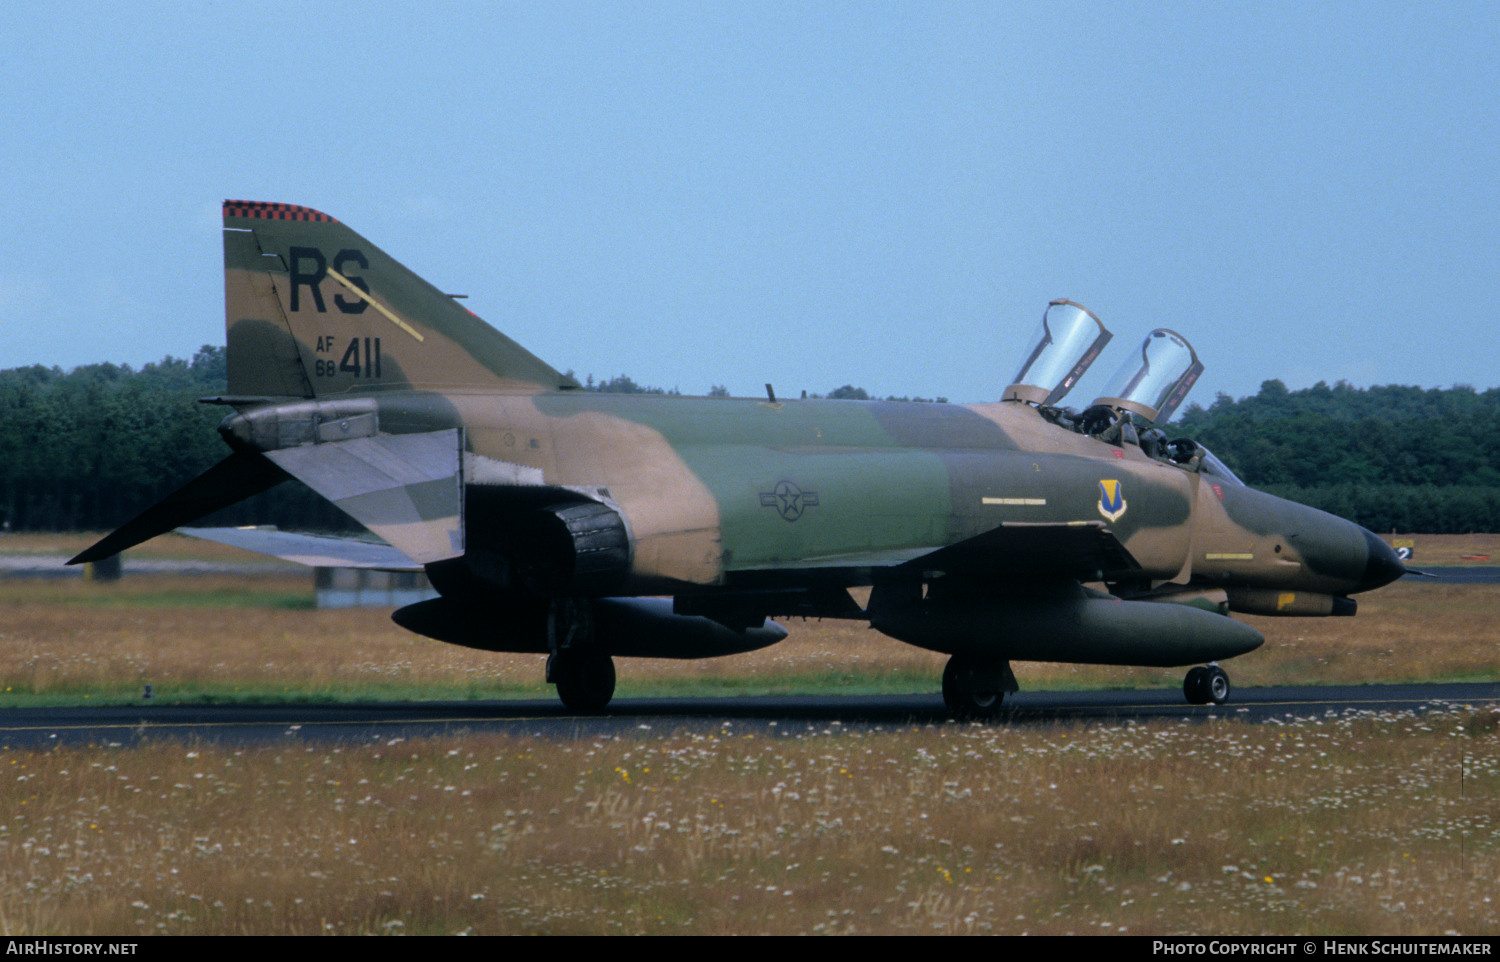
x=1390, y=458
x=87, y=449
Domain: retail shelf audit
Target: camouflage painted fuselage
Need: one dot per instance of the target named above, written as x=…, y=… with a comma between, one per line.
x=740, y=491
x=715, y=489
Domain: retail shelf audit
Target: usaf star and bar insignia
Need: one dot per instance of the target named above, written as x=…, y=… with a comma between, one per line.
x=789, y=500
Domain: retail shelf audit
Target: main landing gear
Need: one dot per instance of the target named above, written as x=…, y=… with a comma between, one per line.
x=974, y=688
x=1206, y=685
x=585, y=680
x=584, y=675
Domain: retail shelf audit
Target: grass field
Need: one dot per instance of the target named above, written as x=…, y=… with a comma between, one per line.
x=1363, y=824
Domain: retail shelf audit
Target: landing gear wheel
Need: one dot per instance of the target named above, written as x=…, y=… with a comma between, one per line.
x=966, y=700
x=585, y=682
x=1218, y=685
x=1206, y=684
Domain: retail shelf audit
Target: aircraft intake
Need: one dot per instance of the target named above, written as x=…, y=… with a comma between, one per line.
x=578, y=548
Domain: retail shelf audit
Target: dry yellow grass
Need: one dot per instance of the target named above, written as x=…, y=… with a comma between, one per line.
x=80, y=637
x=1368, y=824
x=164, y=546
x=53, y=637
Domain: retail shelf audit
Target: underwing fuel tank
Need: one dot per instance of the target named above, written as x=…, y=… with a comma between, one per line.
x=629, y=627
x=1074, y=625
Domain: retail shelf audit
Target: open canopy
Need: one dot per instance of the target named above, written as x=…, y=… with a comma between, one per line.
x=1069, y=340
x=1154, y=383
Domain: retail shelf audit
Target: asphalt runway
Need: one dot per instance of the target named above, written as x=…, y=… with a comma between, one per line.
x=242, y=725
x=26, y=566
x=1454, y=574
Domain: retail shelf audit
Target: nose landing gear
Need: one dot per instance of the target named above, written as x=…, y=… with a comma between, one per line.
x=1206, y=685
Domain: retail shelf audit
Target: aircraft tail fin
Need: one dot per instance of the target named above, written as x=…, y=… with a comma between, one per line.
x=313, y=309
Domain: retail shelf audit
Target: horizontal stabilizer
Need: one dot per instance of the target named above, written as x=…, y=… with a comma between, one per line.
x=313, y=550
x=237, y=477
x=407, y=488
x=1087, y=552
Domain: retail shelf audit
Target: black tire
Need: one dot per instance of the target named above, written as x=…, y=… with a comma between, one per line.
x=585, y=683
x=1195, y=686
x=964, y=703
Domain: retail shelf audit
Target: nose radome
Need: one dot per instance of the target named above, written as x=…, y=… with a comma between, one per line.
x=1383, y=566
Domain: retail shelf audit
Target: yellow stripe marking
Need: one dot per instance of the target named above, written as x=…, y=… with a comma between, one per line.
x=375, y=304
x=1021, y=502
x=1230, y=557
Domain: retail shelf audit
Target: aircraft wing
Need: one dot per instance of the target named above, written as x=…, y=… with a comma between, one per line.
x=315, y=551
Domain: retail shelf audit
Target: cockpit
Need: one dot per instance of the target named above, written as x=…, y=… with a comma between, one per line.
x=1147, y=389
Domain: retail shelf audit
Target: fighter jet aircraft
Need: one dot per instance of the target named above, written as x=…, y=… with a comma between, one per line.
x=586, y=526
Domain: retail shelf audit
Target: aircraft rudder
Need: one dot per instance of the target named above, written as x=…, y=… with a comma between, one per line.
x=261, y=355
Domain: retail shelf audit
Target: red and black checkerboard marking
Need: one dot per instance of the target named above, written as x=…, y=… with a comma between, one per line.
x=268, y=211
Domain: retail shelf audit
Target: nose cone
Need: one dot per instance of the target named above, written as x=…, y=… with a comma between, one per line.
x=1339, y=557
x=1382, y=566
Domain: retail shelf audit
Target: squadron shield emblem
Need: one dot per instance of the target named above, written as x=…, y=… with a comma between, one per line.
x=1111, y=499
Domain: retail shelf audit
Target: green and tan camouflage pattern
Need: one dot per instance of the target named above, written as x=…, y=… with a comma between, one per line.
x=720, y=492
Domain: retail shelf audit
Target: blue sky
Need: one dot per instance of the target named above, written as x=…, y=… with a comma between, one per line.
x=807, y=194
